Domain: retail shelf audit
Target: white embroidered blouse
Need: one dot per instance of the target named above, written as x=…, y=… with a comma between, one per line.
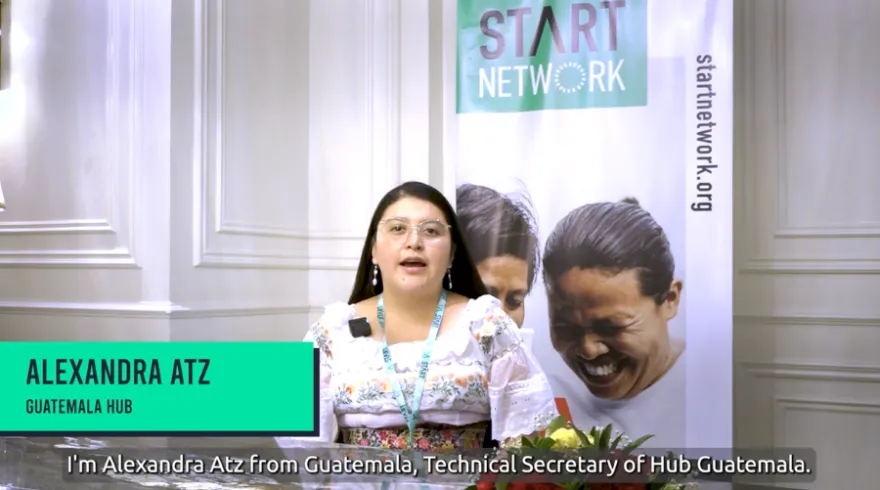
x=480, y=370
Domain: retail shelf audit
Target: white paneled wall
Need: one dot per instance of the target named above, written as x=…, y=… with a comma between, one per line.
x=239, y=254
x=224, y=195
x=377, y=120
x=807, y=330
x=83, y=160
x=354, y=124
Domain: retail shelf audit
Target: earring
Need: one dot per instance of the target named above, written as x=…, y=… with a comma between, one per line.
x=375, y=275
x=449, y=276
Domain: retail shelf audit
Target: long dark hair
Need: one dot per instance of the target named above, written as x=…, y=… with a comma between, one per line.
x=612, y=236
x=465, y=278
x=495, y=225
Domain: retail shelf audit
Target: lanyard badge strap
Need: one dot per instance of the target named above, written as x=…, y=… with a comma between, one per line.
x=411, y=415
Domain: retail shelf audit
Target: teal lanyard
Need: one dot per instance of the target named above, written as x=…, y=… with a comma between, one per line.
x=411, y=415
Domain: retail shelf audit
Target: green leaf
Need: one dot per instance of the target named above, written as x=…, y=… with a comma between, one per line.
x=672, y=486
x=545, y=443
x=632, y=446
x=616, y=442
x=555, y=424
x=586, y=440
x=527, y=443
x=472, y=487
x=665, y=485
x=501, y=485
x=605, y=438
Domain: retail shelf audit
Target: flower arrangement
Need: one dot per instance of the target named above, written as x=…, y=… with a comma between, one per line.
x=562, y=436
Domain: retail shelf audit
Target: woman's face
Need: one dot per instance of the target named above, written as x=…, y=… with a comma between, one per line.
x=413, y=247
x=614, y=338
x=507, y=278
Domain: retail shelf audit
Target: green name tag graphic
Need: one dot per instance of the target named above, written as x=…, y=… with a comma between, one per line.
x=158, y=389
x=531, y=55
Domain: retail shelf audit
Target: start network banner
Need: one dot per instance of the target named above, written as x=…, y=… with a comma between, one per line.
x=593, y=166
x=158, y=388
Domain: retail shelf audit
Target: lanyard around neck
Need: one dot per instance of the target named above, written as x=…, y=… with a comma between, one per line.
x=410, y=415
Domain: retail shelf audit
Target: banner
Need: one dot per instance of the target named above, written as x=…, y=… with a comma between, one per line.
x=593, y=166
x=158, y=389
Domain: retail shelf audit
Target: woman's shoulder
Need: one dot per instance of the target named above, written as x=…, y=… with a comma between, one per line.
x=487, y=306
x=471, y=310
x=487, y=317
x=333, y=320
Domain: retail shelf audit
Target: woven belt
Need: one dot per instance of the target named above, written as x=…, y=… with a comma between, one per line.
x=434, y=439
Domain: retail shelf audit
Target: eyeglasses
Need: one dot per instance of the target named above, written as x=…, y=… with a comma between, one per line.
x=399, y=228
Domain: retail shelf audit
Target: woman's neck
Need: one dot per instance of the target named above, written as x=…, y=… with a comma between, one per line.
x=411, y=305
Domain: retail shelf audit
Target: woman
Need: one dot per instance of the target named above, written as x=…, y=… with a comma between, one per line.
x=502, y=237
x=611, y=292
x=419, y=291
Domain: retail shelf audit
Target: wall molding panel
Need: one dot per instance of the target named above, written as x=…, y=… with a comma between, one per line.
x=335, y=251
x=56, y=227
x=381, y=51
x=105, y=242
x=141, y=310
x=783, y=406
x=110, y=310
x=776, y=244
x=816, y=266
x=854, y=231
x=378, y=41
x=807, y=241
x=754, y=321
x=813, y=371
x=239, y=312
x=219, y=240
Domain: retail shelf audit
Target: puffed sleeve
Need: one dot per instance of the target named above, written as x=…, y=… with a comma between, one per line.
x=519, y=392
x=319, y=336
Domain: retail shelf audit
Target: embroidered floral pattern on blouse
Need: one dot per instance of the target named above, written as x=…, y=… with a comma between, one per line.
x=439, y=388
x=424, y=438
x=490, y=328
x=321, y=335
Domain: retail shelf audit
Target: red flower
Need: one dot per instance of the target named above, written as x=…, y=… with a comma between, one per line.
x=617, y=486
x=532, y=486
x=489, y=478
x=533, y=481
x=529, y=482
x=534, y=478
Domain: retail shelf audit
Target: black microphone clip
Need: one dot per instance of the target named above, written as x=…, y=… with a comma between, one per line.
x=359, y=327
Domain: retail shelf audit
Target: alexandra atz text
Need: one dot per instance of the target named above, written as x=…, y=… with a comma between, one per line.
x=119, y=372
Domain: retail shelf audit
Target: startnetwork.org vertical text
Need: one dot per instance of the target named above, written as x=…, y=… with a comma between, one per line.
x=705, y=126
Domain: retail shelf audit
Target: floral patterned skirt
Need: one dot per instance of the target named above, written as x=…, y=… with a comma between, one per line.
x=428, y=438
